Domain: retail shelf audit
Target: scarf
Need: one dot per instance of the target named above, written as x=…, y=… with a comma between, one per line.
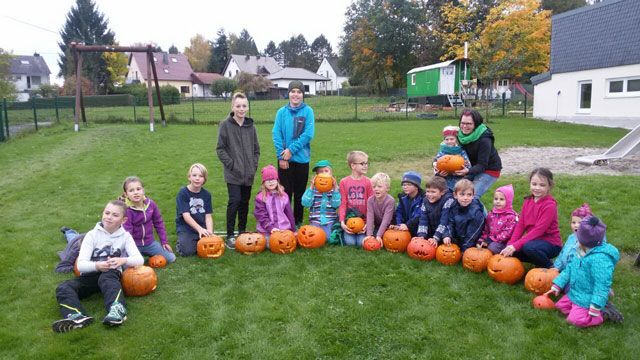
x=475, y=135
x=450, y=150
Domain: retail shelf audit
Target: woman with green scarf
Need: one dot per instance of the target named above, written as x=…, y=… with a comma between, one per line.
x=478, y=141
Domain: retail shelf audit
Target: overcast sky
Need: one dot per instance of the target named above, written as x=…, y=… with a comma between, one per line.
x=29, y=26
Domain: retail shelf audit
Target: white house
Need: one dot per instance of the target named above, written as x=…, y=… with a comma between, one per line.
x=282, y=78
x=202, y=83
x=594, y=75
x=28, y=73
x=329, y=68
x=172, y=69
x=255, y=65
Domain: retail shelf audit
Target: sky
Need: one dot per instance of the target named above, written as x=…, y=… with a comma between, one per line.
x=29, y=26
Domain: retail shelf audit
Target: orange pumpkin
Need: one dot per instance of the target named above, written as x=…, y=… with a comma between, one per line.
x=250, y=243
x=75, y=268
x=139, y=280
x=210, y=247
x=282, y=242
x=157, y=261
x=448, y=254
x=543, y=302
x=396, y=240
x=355, y=224
x=506, y=270
x=370, y=243
x=476, y=259
x=450, y=163
x=323, y=182
x=311, y=237
x=421, y=249
x=539, y=280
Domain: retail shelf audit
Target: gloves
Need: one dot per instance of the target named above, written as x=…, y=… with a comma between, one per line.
x=555, y=290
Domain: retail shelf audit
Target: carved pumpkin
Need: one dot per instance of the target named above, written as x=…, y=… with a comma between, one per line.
x=323, y=182
x=311, y=237
x=157, y=261
x=448, y=254
x=450, y=163
x=370, y=243
x=539, y=280
x=396, y=240
x=282, y=242
x=421, y=249
x=543, y=302
x=355, y=224
x=476, y=259
x=506, y=270
x=250, y=243
x=210, y=247
x=75, y=268
x=139, y=280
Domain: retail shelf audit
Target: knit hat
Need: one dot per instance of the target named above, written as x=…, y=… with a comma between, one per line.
x=412, y=177
x=450, y=130
x=296, y=84
x=507, y=191
x=321, y=164
x=269, y=173
x=591, y=232
x=583, y=211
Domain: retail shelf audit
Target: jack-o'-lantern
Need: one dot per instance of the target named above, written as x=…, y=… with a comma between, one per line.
x=210, y=247
x=75, y=268
x=543, y=302
x=157, y=261
x=505, y=269
x=421, y=249
x=450, y=163
x=476, y=259
x=396, y=240
x=282, y=242
x=139, y=281
x=250, y=243
x=311, y=237
x=370, y=243
x=448, y=254
x=539, y=280
x=355, y=224
x=323, y=182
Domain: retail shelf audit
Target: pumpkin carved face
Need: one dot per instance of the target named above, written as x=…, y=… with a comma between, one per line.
x=506, y=270
x=323, y=182
x=282, y=242
x=250, y=243
x=396, y=240
x=311, y=237
x=448, y=254
x=539, y=280
x=543, y=302
x=210, y=247
x=476, y=259
x=450, y=163
x=421, y=249
x=157, y=261
x=370, y=243
x=355, y=224
x=139, y=281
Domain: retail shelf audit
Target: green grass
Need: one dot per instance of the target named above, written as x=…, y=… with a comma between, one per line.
x=327, y=303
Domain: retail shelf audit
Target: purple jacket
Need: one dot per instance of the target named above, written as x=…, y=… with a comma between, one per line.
x=141, y=222
x=273, y=212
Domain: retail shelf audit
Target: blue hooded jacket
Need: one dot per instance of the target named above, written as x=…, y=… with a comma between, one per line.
x=294, y=129
x=409, y=210
x=466, y=224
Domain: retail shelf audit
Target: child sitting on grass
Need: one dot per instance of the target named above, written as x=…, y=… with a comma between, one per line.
x=272, y=207
x=355, y=189
x=322, y=206
x=434, y=216
x=103, y=253
x=379, y=206
x=500, y=222
x=450, y=146
x=409, y=203
x=193, y=211
x=466, y=217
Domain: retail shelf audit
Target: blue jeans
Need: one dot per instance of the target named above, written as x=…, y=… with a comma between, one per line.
x=482, y=183
x=353, y=239
x=326, y=227
x=538, y=252
x=70, y=235
x=156, y=249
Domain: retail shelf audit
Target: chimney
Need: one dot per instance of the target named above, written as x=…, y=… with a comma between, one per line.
x=247, y=57
x=165, y=58
x=258, y=57
x=35, y=54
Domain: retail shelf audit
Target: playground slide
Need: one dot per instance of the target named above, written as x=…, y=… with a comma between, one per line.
x=629, y=144
x=521, y=88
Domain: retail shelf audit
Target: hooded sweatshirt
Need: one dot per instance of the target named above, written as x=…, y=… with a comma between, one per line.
x=538, y=221
x=294, y=129
x=273, y=211
x=238, y=150
x=500, y=223
x=99, y=245
x=141, y=222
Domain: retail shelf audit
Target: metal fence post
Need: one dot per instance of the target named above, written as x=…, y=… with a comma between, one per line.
x=55, y=104
x=135, y=117
x=525, y=105
x=406, y=108
x=356, y=102
x=504, y=101
x=193, y=108
x=6, y=118
x=35, y=112
x=1, y=123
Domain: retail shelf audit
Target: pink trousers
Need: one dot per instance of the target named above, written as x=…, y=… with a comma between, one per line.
x=577, y=315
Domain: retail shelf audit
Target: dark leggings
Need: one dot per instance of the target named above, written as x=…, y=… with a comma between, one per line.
x=538, y=252
x=294, y=179
x=238, y=204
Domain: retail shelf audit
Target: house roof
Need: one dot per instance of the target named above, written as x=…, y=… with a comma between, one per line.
x=256, y=65
x=333, y=62
x=28, y=65
x=169, y=67
x=597, y=36
x=540, y=78
x=296, y=74
x=432, y=66
x=205, y=78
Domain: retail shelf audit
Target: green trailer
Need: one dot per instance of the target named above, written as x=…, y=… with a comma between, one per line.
x=437, y=83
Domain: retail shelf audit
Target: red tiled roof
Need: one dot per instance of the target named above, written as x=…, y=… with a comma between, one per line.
x=205, y=78
x=168, y=66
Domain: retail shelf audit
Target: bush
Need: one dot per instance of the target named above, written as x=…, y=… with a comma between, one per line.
x=170, y=95
x=223, y=86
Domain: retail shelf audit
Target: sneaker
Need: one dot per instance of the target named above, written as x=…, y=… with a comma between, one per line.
x=72, y=321
x=637, y=263
x=610, y=313
x=116, y=316
x=230, y=242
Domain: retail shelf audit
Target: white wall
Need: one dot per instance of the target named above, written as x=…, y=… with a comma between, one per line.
x=326, y=70
x=232, y=70
x=284, y=83
x=134, y=73
x=619, y=111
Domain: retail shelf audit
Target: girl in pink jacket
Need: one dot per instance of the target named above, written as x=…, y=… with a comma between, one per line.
x=500, y=222
x=272, y=208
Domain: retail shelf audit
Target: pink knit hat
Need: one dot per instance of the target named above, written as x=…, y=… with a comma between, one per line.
x=269, y=173
x=450, y=131
x=583, y=211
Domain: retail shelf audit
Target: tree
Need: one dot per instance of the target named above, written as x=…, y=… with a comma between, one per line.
x=116, y=66
x=85, y=24
x=320, y=49
x=296, y=53
x=273, y=51
x=45, y=91
x=242, y=45
x=223, y=87
x=219, y=54
x=7, y=88
x=560, y=6
x=252, y=84
x=69, y=86
x=198, y=53
x=173, y=49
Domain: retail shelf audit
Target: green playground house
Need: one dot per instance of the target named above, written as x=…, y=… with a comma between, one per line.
x=440, y=83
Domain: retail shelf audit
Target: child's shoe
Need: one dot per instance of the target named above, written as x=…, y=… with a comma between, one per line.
x=637, y=263
x=116, y=316
x=72, y=321
x=230, y=242
x=610, y=313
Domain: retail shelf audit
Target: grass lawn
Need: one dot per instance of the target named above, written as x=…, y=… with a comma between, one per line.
x=327, y=303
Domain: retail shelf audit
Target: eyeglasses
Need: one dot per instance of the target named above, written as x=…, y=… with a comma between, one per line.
x=364, y=163
x=466, y=123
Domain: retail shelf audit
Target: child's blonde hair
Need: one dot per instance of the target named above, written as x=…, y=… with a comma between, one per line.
x=353, y=155
x=237, y=95
x=264, y=191
x=203, y=170
x=463, y=185
x=381, y=179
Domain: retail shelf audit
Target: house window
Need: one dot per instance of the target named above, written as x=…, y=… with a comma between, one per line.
x=24, y=62
x=413, y=79
x=633, y=85
x=306, y=88
x=174, y=60
x=166, y=71
x=503, y=82
x=35, y=80
x=616, y=86
x=585, y=96
x=623, y=87
x=184, y=89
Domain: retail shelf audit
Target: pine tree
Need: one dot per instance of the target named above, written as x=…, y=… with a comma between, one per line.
x=219, y=54
x=243, y=45
x=173, y=49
